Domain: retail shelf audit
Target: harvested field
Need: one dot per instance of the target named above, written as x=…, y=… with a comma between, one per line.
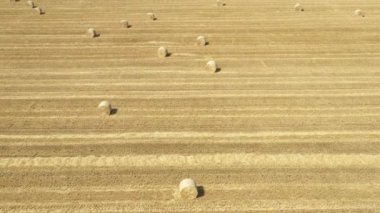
x=292, y=122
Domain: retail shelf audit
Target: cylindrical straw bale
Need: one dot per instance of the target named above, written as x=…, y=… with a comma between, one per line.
x=38, y=11
x=212, y=66
x=202, y=41
x=219, y=3
x=151, y=16
x=188, y=189
x=162, y=52
x=30, y=3
x=124, y=24
x=91, y=33
x=105, y=108
x=359, y=13
x=298, y=7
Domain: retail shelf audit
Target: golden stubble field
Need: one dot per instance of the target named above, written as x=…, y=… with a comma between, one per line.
x=291, y=121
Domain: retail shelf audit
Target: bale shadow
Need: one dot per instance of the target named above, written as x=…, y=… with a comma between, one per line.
x=201, y=191
x=113, y=111
x=218, y=70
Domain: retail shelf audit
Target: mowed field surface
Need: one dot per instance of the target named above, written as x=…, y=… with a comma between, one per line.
x=291, y=122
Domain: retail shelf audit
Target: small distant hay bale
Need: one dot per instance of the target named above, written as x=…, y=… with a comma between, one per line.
x=298, y=7
x=124, y=24
x=30, y=3
x=359, y=12
x=151, y=16
x=91, y=33
x=105, y=108
x=220, y=3
x=188, y=189
x=13, y=1
x=202, y=41
x=212, y=66
x=163, y=52
x=38, y=10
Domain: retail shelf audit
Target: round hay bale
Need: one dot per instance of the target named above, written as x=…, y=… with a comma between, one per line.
x=30, y=4
x=298, y=7
x=202, y=41
x=91, y=33
x=13, y=1
x=359, y=12
x=220, y=3
x=163, y=52
x=38, y=10
x=151, y=16
x=188, y=189
x=212, y=66
x=105, y=108
x=124, y=24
